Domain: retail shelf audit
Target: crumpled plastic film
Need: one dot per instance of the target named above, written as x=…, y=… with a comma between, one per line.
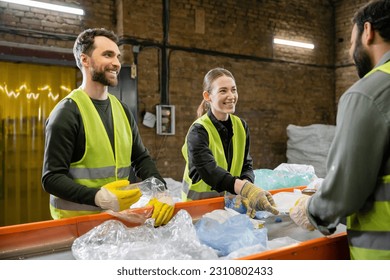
x=234, y=233
x=112, y=240
x=284, y=176
x=134, y=216
x=234, y=202
x=285, y=200
x=151, y=187
x=174, y=189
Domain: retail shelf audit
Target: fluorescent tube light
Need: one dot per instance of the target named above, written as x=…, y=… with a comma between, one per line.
x=47, y=6
x=293, y=43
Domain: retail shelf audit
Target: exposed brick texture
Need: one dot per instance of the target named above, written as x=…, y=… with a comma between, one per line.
x=277, y=85
x=345, y=70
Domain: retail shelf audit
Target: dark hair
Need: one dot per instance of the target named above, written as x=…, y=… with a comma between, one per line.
x=86, y=39
x=377, y=13
x=208, y=80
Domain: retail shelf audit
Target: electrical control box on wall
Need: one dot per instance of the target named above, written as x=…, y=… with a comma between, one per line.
x=165, y=119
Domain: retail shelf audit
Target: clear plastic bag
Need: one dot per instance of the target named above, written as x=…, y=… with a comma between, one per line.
x=136, y=216
x=151, y=187
x=174, y=189
x=112, y=240
x=285, y=200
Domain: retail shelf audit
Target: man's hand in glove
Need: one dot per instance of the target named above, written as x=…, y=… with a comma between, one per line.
x=257, y=199
x=298, y=213
x=162, y=210
x=113, y=197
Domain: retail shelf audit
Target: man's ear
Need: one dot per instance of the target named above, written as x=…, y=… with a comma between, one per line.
x=84, y=59
x=206, y=96
x=368, y=33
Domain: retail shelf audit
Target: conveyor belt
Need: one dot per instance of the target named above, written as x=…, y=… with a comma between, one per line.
x=52, y=240
x=275, y=230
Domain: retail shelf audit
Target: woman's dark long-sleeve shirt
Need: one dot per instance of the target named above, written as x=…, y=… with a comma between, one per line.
x=202, y=164
x=65, y=143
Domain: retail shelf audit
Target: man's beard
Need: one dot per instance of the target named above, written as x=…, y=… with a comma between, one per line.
x=362, y=60
x=100, y=76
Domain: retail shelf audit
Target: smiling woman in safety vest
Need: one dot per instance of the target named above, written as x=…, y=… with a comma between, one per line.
x=216, y=148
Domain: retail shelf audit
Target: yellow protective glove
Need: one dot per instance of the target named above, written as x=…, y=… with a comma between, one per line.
x=257, y=199
x=244, y=201
x=162, y=211
x=298, y=213
x=113, y=197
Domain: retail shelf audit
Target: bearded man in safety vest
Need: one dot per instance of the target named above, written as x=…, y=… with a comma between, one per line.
x=357, y=184
x=92, y=140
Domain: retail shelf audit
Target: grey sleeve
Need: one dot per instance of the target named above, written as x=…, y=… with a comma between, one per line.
x=353, y=164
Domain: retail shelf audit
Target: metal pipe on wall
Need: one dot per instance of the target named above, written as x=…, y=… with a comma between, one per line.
x=164, y=56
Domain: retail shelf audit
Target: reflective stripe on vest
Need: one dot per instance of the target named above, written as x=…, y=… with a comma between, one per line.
x=369, y=231
x=98, y=173
x=99, y=165
x=69, y=205
x=201, y=190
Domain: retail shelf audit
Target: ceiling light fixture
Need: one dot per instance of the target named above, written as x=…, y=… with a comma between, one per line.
x=47, y=6
x=293, y=43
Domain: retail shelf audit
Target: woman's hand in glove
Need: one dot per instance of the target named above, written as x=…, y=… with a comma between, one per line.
x=257, y=199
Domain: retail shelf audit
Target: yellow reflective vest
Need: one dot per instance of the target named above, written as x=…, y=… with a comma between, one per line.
x=99, y=165
x=201, y=190
x=367, y=230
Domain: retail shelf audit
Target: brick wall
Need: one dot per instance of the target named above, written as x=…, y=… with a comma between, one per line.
x=344, y=69
x=277, y=85
x=44, y=28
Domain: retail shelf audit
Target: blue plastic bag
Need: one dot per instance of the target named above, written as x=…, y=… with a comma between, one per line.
x=234, y=202
x=235, y=233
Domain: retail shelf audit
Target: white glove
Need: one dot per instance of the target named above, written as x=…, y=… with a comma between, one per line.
x=298, y=213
